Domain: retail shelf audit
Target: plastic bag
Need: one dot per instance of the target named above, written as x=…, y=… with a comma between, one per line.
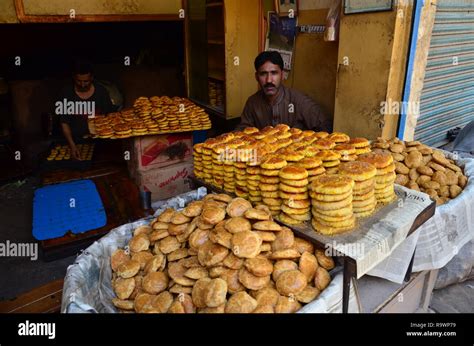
x=332, y=22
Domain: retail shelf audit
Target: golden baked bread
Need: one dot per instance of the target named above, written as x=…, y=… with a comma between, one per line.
x=266, y=226
x=316, y=171
x=284, y=240
x=142, y=257
x=196, y=273
x=281, y=266
x=237, y=224
x=285, y=254
x=259, y=266
x=123, y=304
x=335, y=205
x=128, y=269
x=332, y=184
x=221, y=237
x=215, y=293
x=293, y=196
x=237, y=207
x=309, y=294
x=176, y=271
x=321, y=278
x=212, y=215
x=287, y=305
x=292, y=211
x=414, y=159
x=377, y=159
x=166, y=215
x=328, y=230
x=328, y=155
x=287, y=219
x=291, y=282
x=246, y=244
x=323, y=260
x=324, y=144
x=210, y=254
x=169, y=244
x=273, y=162
x=256, y=214
x=295, y=183
x=293, y=172
x=155, y=282
x=198, y=238
x=240, y=302
x=308, y=265
x=300, y=203
x=252, y=282
x=124, y=287
x=118, y=257
x=292, y=189
x=140, y=242
x=174, y=229
x=199, y=292
x=309, y=163
x=358, y=170
x=267, y=296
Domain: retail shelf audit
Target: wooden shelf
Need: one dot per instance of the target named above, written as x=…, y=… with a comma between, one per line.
x=219, y=111
x=215, y=4
x=215, y=41
x=216, y=74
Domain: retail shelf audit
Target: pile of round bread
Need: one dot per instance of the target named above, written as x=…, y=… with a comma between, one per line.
x=217, y=255
x=422, y=168
x=150, y=116
x=274, y=166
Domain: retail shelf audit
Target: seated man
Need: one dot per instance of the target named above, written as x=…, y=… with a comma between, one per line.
x=79, y=101
x=276, y=104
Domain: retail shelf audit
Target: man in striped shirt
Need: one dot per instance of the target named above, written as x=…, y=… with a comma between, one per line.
x=276, y=104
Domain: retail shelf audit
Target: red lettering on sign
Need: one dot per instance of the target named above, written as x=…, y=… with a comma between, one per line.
x=180, y=174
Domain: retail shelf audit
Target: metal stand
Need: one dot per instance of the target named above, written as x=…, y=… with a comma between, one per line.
x=349, y=264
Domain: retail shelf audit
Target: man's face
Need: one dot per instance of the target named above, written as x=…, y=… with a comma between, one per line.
x=83, y=82
x=269, y=77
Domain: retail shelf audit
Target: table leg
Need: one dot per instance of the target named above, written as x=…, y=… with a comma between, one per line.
x=410, y=267
x=349, y=273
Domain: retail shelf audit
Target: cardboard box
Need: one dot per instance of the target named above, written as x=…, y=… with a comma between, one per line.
x=152, y=152
x=165, y=182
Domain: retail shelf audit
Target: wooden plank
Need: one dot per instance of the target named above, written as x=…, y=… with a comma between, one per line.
x=58, y=11
x=46, y=298
x=427, y=19
x=398, y=61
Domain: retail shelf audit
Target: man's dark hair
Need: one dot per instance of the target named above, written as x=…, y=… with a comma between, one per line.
x=82, y=67
x=272, y=56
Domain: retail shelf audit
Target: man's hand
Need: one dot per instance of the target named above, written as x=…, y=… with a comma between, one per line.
x=75, y=153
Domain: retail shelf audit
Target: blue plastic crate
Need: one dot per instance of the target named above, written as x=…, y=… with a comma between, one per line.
x=74, y=206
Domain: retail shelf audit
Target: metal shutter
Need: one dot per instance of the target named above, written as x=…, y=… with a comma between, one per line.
x=447, y=98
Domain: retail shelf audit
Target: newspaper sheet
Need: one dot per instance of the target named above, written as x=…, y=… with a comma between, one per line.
x=440, y=238
x=377, y=236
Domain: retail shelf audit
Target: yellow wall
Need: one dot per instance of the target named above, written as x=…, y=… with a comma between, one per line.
x=90, y=7
x=375, y=46
x=315, y=62
x=7, y=12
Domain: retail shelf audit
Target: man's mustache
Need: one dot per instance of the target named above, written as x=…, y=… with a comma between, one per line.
x=269, y=85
